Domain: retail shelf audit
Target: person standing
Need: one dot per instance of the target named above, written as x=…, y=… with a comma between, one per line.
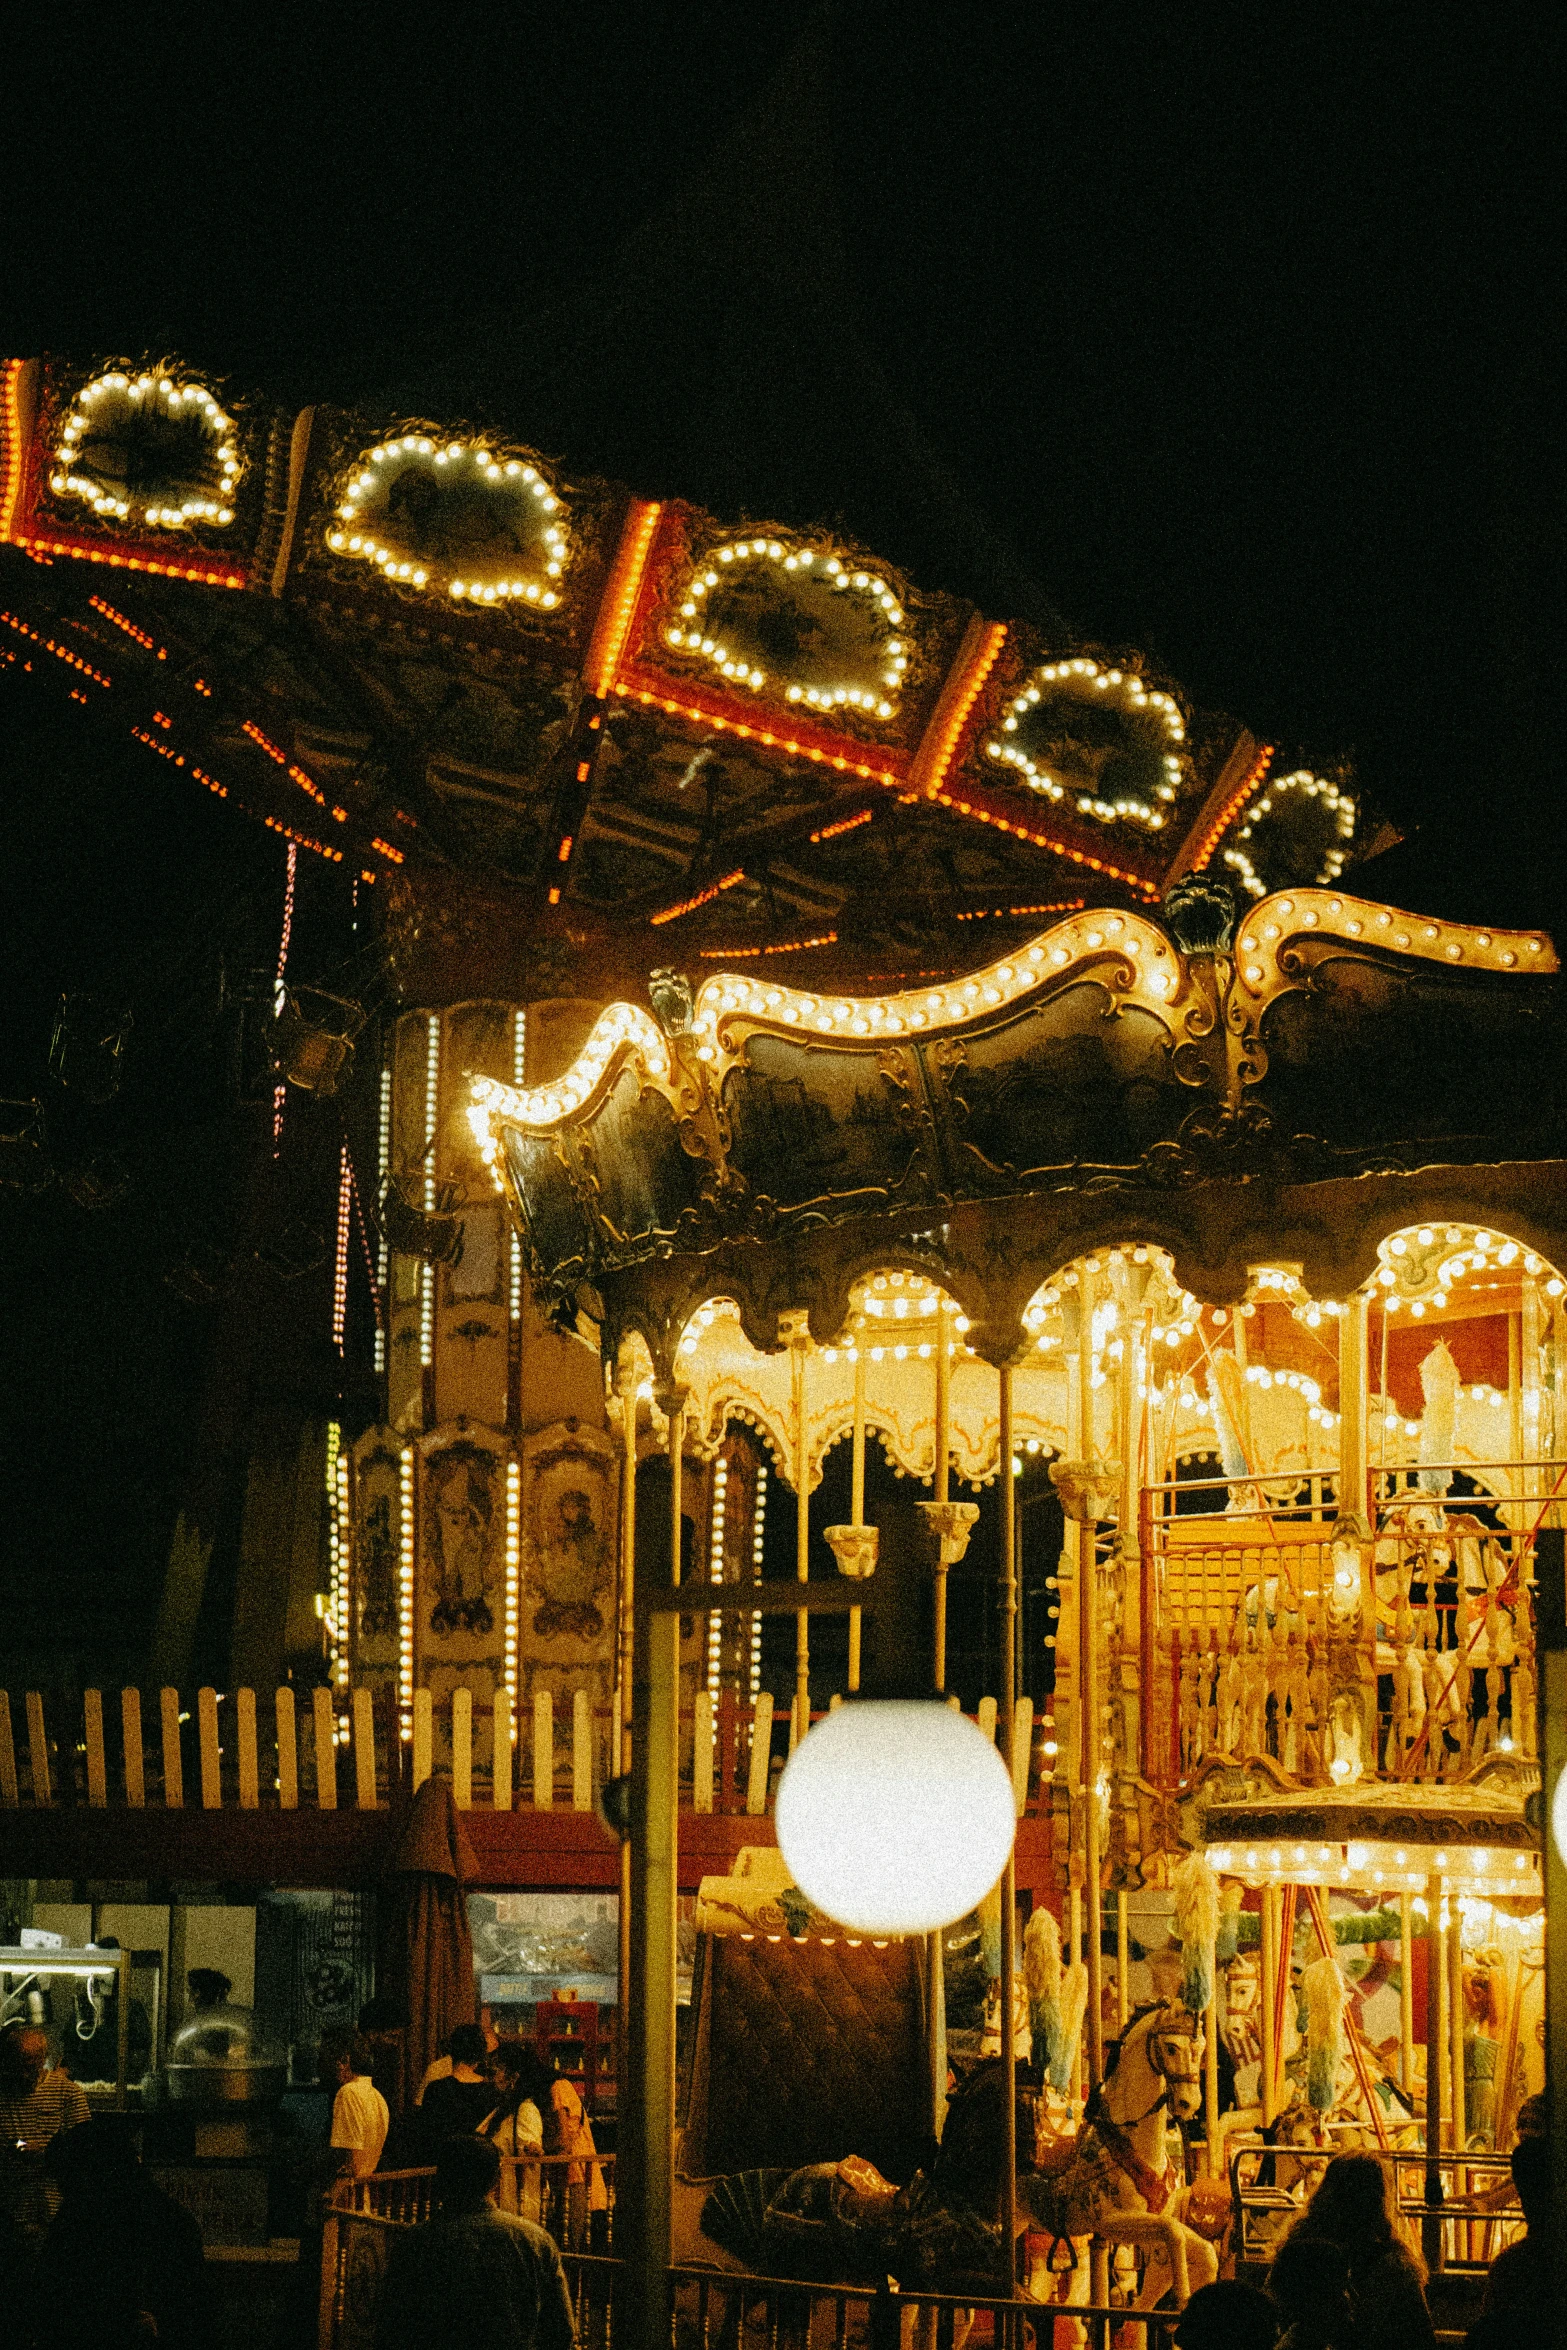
x=473, y=2274
x=1386, y=2279
x=360, y=2118
x=1518, y=2285
x=457, y=2106
x=516, y=2125
x=36, y=2104
x=122, y=2263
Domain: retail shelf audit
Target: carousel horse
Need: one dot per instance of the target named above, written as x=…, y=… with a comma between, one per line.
x=843, y=2222
x=1114, y=2185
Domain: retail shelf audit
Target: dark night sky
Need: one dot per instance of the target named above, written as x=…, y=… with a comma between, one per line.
x=1225, y=333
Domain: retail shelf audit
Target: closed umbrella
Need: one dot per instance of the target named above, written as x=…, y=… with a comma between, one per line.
x=427, y=1952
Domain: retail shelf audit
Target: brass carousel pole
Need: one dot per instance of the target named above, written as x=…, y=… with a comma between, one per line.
x=801, y=1719
x=857, y=1493
x=620, y=1741
x=1406, y=1997
x=1267, y=1963
x=1009, y=1873
x=943, y=1486
x=1088, y=1697
x=935, y=1947
x=949, y=1525
x=1436, y=2033
x=649, y=2111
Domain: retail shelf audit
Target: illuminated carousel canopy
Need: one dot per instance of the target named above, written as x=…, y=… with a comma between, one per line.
x=1267, y=1089
x=573, y=731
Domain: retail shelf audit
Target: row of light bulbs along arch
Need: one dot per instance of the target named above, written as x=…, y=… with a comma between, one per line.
x=1371, y=1867
x=905, y=1300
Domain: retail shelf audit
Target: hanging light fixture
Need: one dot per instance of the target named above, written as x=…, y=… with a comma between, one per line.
x=895, y=1815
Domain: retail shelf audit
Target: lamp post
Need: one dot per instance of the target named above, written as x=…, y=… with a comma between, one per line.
x=1551, y=1642
x=899, y=1807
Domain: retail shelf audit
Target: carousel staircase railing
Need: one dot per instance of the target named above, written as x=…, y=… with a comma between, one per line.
x=1257, y=1612
x=353, y=1748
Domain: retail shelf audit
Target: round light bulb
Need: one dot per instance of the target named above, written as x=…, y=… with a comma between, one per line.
x=895, y=1815
x=1558, y=1817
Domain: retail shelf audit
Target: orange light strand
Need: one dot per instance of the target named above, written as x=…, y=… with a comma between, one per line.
x=703, y=897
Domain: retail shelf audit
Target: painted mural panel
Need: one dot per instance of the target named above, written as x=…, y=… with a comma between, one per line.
x=569, y=1531
x=377, y=1505
x=460, y=1577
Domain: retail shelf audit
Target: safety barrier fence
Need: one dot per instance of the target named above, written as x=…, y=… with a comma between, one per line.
x=1479, y=2213
x=717, y=2310
x=330, y=1749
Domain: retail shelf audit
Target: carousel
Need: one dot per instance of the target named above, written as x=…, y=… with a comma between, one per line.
x=1137, y=1204
x=879, y=1163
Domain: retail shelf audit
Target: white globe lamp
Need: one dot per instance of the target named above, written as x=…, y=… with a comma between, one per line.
x=895, y=1815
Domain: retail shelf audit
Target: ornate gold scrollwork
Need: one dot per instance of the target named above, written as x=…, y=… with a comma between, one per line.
x=1216, y=1047
x=701, y=1119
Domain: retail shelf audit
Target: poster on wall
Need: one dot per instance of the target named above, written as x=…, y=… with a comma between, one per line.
x=533, y=1946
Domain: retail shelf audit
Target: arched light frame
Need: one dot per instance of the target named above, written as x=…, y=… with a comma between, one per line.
x=1341, y=805
x=465, y=460
x=1123, y=687
x=691, y=633
x=182, y=399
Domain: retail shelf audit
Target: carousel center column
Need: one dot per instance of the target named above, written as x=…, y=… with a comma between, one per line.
x=649, y=2110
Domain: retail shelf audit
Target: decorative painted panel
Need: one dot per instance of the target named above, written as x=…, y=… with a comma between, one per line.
x=375, y=1606
x=460, y=1548
x=570, y=1519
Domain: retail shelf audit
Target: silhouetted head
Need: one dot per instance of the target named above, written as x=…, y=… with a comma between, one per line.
x=466, y=2170
x=468, y=2045
x=1351, y=2205
x=342, y=2056
x=519, y=2072
x=96, y=2160
x=1227, y=2316
x=1308, y=2284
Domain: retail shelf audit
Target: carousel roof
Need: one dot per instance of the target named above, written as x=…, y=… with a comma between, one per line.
x=571, y=730
x=1115, y=1069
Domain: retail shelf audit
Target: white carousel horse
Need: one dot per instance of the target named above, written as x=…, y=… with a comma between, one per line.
x=1116, y=2185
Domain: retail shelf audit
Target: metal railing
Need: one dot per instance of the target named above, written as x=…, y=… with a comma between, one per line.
x=1477, y=2217
x=716, y=2310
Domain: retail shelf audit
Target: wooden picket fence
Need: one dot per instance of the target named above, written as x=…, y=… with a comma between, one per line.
x=332, y=1749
